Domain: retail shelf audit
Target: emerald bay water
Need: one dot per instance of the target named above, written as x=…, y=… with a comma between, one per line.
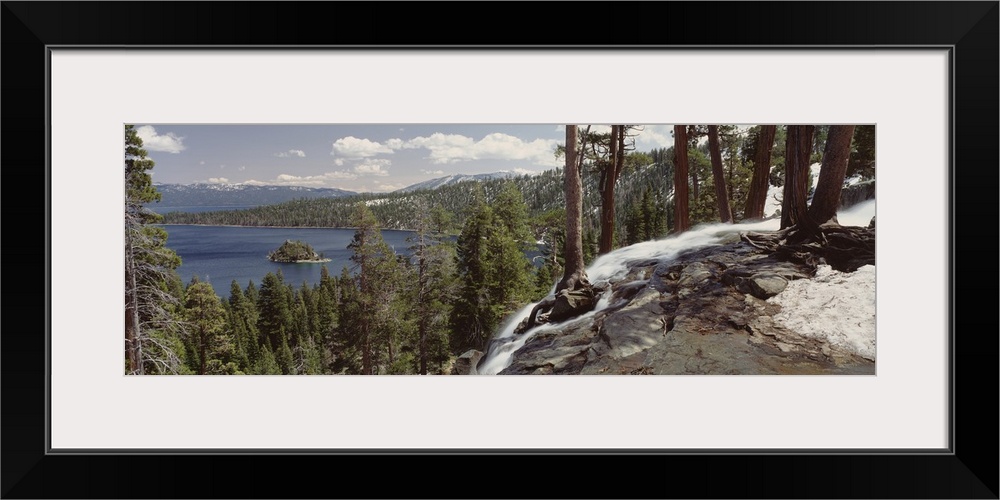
x=221, y=254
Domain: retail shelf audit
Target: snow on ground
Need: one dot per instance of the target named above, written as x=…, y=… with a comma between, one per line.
x=814, y=173
x=839, y=307
x=850, y=181
x=773, y=203
x=774, y=194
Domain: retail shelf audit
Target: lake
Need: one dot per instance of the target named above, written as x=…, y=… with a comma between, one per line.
x=221, y=254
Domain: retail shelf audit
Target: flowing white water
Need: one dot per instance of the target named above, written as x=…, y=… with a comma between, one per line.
x=614, y=266
x=857, y=215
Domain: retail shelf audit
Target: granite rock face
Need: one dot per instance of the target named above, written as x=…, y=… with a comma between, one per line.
x=704, y=312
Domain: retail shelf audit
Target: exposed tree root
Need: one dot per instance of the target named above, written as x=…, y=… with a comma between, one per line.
x=844, y=248
x=564, y=304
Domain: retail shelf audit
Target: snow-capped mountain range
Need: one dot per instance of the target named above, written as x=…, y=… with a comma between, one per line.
x=203, y=194
x=243, y=195
x=455, y=179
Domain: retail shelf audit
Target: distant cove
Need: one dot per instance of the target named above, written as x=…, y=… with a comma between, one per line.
x=196, y=208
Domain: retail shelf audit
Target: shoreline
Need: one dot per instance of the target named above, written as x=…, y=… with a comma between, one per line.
x=282, y=227
x=309, y=261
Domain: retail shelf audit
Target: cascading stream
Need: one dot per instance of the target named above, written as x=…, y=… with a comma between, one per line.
x=614, y=266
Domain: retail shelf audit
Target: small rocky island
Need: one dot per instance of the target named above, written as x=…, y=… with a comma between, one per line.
x=295, y=252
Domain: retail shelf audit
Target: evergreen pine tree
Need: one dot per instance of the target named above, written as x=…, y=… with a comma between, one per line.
x=472, y=320
x=152, y=304
x=274, y=319
x=207, y=318
x=434, y=261
x=377, y=301
x=496, y=276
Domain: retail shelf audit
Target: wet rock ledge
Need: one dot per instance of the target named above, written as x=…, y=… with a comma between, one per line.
x=705, y=312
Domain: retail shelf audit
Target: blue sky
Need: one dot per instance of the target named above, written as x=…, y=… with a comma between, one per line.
x=362, y=158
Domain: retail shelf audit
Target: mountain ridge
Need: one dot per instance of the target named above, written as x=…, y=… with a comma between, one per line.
x=457, y=178
x=201, y=194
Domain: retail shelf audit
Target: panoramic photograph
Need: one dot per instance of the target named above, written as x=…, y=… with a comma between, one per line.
x=499, y=249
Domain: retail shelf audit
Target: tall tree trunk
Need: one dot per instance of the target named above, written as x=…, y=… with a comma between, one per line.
x=718, y=174
x=622, y=129
x=608, y=178
x=681, y=220
x=798, y=146
x=575, y=274
x=761, y=173
x=826, y=199
x=132, y=354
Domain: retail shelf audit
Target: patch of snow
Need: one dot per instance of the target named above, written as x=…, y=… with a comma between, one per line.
x=773, y=203
x=835, y=306
x=814, y=173
x=850, y=181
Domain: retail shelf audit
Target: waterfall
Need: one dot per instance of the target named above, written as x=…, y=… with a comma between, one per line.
x=614, y=266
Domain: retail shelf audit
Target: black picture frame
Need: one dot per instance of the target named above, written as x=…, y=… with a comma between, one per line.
x=968, y=470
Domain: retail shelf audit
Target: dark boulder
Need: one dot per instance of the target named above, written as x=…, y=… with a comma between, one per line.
x=572, y=303
x=763, y=285
x=466, y=363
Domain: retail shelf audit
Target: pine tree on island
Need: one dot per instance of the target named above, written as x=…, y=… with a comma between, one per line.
x=295, y=252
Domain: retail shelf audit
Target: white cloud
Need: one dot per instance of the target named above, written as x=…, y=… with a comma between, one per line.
x=340, y=174
x=321, y=180
x=201, y=162
x=307, y=180
x=352, y=147
x=218, y=180
x=654, y=136
x=597, y=129
x=373, y=167
x=152, y=141
x=432, y=172
x=242, y=168
x=365, y=168
x=291, y=152
x=339, y=162
x=451, y=148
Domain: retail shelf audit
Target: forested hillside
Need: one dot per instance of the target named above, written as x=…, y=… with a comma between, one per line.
x=202, y=194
